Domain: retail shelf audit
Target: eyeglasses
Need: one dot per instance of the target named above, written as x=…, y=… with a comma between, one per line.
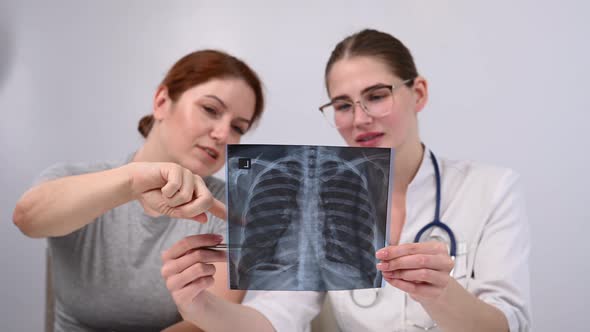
x=375, y=102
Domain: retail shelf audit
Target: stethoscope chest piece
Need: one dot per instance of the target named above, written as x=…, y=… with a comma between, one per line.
x=365, y=298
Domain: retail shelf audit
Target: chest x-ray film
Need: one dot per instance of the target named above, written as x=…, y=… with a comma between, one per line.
x=306, y=217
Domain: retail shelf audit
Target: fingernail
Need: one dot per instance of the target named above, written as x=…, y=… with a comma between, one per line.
x=381, y=254
x=380, y=266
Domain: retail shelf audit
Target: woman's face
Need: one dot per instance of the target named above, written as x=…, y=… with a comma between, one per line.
x=347, y=80
x=195, y=129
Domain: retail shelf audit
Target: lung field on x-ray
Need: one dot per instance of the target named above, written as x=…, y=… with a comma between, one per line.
x=306, y=217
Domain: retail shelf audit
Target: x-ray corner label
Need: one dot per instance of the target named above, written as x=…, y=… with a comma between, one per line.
x=244, y=163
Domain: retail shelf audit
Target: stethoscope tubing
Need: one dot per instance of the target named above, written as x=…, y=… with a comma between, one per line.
x=437, y=222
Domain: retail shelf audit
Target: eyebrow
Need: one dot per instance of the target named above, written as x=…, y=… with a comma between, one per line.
x=218, y=99
x=225, y=106
x=369, y=88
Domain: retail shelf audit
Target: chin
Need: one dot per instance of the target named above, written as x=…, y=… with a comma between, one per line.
x=204, y=171
x=195, y=166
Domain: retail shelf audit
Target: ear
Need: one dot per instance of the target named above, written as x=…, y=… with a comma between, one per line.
x=162, y=103
x=420, y=91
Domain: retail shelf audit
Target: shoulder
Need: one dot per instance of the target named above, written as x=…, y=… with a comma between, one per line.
x=481, y=175
x=479, y=182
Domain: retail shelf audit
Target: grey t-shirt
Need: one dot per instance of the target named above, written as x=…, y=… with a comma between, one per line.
x=106, y=275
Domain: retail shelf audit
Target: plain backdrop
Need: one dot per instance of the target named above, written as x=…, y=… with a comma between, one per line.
x=508, y=86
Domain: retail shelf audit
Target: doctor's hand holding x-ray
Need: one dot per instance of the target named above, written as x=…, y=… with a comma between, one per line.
x=188, y=271
x=420, y=269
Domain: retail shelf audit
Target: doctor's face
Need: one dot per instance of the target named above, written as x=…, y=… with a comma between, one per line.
x=358, y=78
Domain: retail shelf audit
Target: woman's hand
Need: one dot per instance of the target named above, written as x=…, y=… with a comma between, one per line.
x=188, y=271
x=420, y=269
x=172, y=190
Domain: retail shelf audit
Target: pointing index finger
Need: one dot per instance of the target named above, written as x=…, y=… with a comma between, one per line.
x=218, y=209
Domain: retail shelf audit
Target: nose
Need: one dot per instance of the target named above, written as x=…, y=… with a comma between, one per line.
x=220, y=131
x=360, y=115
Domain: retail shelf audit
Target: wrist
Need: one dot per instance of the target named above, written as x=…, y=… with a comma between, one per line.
x=206, y=302
x=444, y=298
x=201, y=307
x=127, y=173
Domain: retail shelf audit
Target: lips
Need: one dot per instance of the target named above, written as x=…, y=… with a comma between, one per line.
x=369, y=139
x=214, y=154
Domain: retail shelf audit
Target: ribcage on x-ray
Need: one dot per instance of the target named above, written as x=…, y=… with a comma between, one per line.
x=349, y=232
x=271, y=211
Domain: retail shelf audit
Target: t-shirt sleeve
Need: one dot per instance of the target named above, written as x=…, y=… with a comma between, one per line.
x=60, y=170
x=501, y=274
x=53, y=172
x=287, y=311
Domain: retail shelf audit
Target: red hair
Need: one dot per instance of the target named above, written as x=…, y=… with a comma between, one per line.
x=199, y=67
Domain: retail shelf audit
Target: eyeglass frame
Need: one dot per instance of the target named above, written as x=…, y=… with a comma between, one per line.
x=391, y=87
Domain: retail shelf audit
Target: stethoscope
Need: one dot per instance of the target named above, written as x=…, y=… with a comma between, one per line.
x=436, y=223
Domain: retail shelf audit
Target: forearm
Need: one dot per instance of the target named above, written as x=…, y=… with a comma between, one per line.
x=218, y=314
x=459, y=310
x=61, y=206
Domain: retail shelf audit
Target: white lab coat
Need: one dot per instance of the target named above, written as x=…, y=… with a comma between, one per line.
x=484, y=207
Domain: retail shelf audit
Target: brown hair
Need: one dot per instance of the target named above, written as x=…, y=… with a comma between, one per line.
x=379, y=45
x=199, y=67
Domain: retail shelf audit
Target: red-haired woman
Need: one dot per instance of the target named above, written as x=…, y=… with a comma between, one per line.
x=108, y=222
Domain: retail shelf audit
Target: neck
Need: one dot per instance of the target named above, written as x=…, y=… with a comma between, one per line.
x=151, y=150
x=407, y=162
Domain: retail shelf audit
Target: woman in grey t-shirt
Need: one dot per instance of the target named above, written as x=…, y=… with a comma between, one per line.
x=108, y=222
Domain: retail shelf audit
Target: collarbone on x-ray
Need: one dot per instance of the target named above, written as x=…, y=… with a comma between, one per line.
x=306, y=217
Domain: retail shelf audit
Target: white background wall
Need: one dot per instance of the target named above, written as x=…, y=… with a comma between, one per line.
x=508, y=81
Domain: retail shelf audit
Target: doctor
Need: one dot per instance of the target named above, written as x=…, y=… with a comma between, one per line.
x=459, y=241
